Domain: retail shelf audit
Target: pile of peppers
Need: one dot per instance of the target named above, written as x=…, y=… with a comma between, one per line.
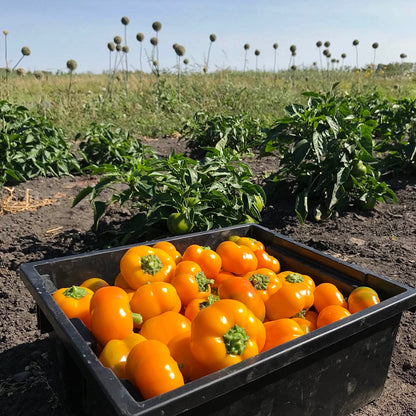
x=170, y=318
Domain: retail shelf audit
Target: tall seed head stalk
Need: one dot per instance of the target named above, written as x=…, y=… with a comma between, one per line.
x=140, y=38
x=246, y=48
x=355, y=43
x=5, y=33
x=157, y=27
x=257, y=54
x=212, y=39
x=71, y=64
x=292, y=50
x=25, y=52
x=180, y=51
x=125, y=21
x=374, y=46
x=319, y=45
x=275, y=46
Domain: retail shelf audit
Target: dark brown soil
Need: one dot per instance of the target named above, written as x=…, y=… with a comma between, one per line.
x=383, y=241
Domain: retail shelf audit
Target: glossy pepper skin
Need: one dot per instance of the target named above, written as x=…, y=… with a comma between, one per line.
x=111, y=317
x=151, y=368
x=235, y=258
x=142, y=264
x=288, y=301
x=208, y=260
x=165, y=326
x=75, y=302
x=114, y=354
x=241, y=289
x=191, y=282
x=155, y=298
x=225, y=333
x=170, y=249
x=264, y=281
x=247, y=241
x=94, y=283
x=280, y=331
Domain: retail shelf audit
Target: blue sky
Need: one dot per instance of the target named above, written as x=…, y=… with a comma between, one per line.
x=58, y=30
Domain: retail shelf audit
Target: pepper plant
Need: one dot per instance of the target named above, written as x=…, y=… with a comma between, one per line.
x=193, y=195
x=327, y=155
x=31, y=146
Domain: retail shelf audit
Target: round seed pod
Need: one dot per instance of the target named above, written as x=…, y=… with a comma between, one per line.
x=294, y=53
x=180, y=50
x=125, y=20
x=21, y=72
x=292, y=48
x=212, y=37
x=117, y=40
x=125, y=49
x=174, y=46
x=327, y=44
x=140, y=37
x=343, y=55
x=333, y=60
x=257, y=52
x=71, y=64
x=156, y=26
x=38, y=74
x=205, y=69
x=5, y=32
x=155, y=62
x=8, y=70
x=154, y=41
x=293, y=67
x=25, y=51
x=246, y=46
x=355, y=42
x=325, y=52
x=319, y=44
x=186, y=61
x=403, y=56
x=275, y=45
x=119, y=48
x=375, y=45
x=111, y=46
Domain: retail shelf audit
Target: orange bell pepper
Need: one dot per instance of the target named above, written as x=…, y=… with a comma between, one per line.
x=151, y=368
x=236, y=259
x=264, y=281
x=196, y=305
x=142, y=264
x=326, y=294
x=288, y=301
x=239, y=288
x=225, y=333
x=94, y=283
x=155, y=298
x=280, y=331
x=247, y=241
x=165, y=326
x=265, y=260
x=191, y=283
x=208, y=260
x=114, y=354
x=288, y=277
x=75, y=302
x=111, y=317
x=180, y=349
x=170, y=249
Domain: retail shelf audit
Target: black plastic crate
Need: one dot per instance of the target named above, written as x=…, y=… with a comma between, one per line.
x=333, y=370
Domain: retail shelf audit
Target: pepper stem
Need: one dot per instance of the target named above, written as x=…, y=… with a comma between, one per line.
x=76, y=292
x=203, y=281
x=235, y=340
x=137, y=318
x=294, y=278
x=151, y=264
x=259, y=281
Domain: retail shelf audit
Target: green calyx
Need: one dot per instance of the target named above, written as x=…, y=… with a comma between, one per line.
x=210, y=300
x=203, y=282
x=294, y=278
x=75, y=292
x=259, y=281
x=235, y=340
x=151, y=264
x=137, y=318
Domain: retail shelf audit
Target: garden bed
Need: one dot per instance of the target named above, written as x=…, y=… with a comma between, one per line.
x=383, y=241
